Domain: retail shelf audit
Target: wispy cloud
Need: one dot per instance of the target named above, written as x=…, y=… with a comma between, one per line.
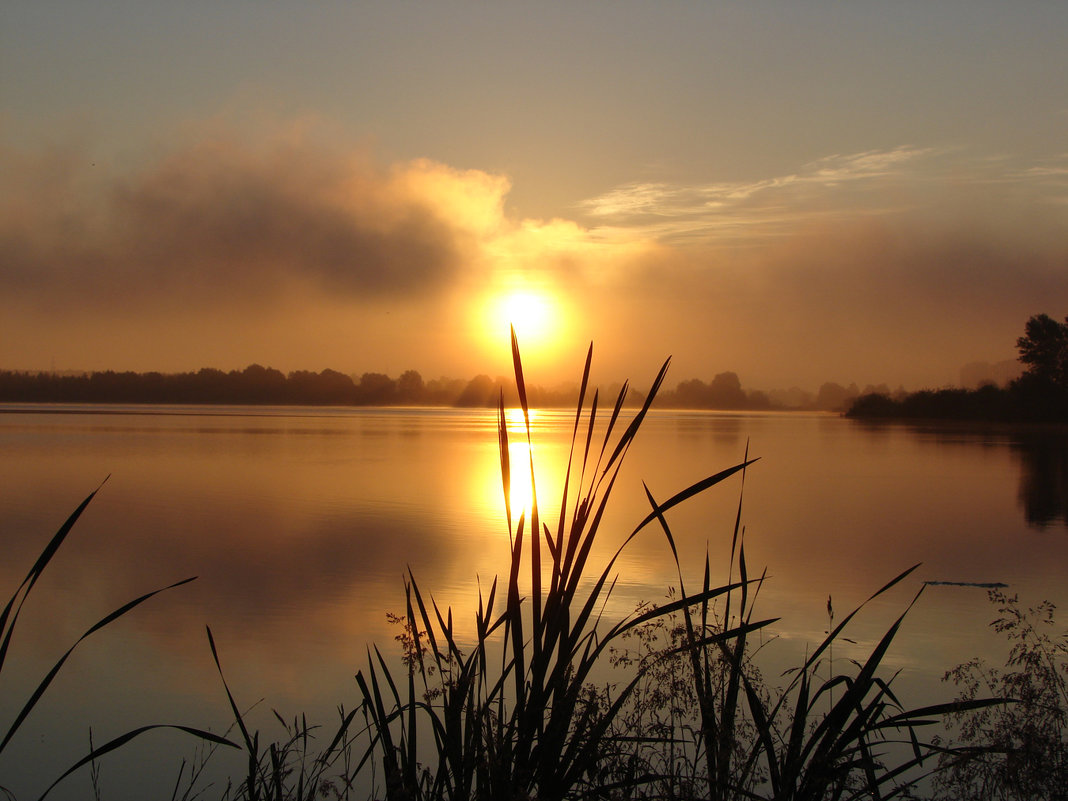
x=832, y=170
x=835, y=187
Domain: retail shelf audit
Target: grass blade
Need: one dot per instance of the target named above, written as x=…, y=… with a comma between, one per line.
x=122, y=610
x=122, y=739
x=35, y=572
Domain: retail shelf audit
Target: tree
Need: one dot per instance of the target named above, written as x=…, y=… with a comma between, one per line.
x=725, y=392
x=833, y=397
x=1044, y=349
x=410, y=387
x=692, y=394
x=478, y=392
x=376, y=389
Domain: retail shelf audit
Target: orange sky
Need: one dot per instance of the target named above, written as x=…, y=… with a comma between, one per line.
x=871, y=194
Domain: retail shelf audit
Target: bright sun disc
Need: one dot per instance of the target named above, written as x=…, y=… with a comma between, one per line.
x=529, y=313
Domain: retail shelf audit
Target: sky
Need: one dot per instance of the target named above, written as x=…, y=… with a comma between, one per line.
x=869, y=192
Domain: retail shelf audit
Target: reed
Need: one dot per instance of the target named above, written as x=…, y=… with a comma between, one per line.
x=513, y=717
x=8, y=622
x=291, y=768
x=516, y=716
x=719, y=732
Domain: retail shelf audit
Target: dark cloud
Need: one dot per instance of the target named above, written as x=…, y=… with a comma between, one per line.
x=217, y=223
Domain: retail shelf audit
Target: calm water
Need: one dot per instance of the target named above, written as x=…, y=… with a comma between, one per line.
x=300, y=524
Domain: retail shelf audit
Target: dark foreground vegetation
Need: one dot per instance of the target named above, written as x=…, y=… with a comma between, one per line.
x=520, y=710
x=1040, y=395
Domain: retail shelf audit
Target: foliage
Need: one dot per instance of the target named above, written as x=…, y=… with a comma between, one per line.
x=1018, y=750
x=1039, y=395
x=703, y=723
x=513, y=716
x=1044, y=349
x=657, y=736
x=260, y=385
x=516, y=714
x=291, y=767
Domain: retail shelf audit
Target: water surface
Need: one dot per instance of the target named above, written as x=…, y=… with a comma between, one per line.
x=301, y=524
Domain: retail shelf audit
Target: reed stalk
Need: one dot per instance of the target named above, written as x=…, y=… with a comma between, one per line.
x=515, y=716
x=8, y=621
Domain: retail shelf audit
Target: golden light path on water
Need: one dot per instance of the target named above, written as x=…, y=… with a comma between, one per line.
x=551, y=447
x=524, y=485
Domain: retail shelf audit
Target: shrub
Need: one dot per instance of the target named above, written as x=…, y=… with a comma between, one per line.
x=1018, y=750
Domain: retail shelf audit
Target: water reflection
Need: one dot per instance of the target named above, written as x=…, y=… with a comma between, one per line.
x=1043, y=478
x=302, y=523
x=723, y=429
x=1041, y=455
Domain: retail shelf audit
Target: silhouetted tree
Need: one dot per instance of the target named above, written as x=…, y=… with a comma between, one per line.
x=335, y=388
x=758, y=399
x=1044, y=349
x=410, y=387
x=259, y=384
x=376, y=389
x=443, y=391
x=480, y=391
x=725, y=392
x=834, y=397
x=692, y=394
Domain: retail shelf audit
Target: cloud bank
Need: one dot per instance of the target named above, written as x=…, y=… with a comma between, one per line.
x=896, y=266
x=217, y=222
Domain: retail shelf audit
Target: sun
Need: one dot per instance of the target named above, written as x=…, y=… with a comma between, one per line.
x=529, y=313
x=533, y=314
x=540, y=319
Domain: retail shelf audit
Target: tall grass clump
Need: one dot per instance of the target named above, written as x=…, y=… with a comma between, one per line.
x=8, y=621
x=516, y=715
x=512, y=716
x=293, y=767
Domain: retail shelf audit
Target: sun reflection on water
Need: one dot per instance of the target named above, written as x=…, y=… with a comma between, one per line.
x=548, y=460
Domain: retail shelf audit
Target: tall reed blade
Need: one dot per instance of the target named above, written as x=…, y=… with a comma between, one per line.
x=238, y=717
x=506, y=466
x=535, y=527
x=104, y=621
x=122, y=739
x=23, y=591
x=571, y=450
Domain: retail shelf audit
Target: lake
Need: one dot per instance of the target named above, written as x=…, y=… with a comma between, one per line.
x=301, y=523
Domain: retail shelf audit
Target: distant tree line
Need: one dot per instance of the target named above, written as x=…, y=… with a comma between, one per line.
x=258, y=385
x=1039, y=395
x=266, y=386
x=725, y=392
